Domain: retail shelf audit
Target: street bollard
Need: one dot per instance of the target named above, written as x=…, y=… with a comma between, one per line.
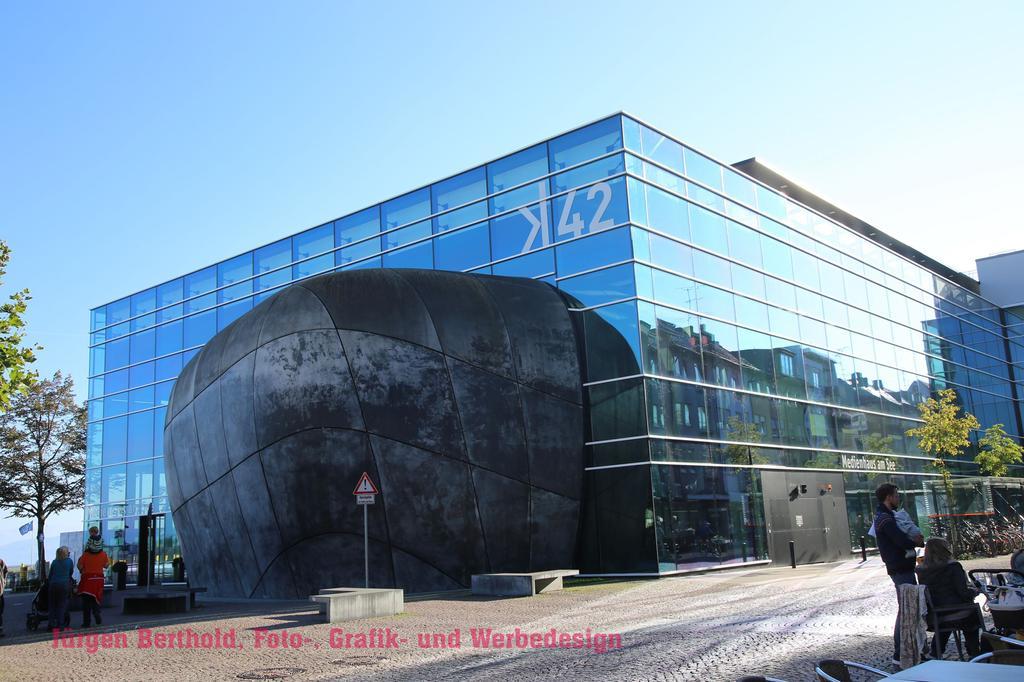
x=792, y=553
x=863, y=549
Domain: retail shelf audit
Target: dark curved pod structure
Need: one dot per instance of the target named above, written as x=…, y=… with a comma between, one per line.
x=459, y=394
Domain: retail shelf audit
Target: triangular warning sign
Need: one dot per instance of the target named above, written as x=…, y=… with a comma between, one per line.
x=365, y=486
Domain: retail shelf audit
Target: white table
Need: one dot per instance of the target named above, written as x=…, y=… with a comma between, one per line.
x=955, y=671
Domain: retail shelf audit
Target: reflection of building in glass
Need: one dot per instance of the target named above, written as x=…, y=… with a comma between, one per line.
x=714, y=301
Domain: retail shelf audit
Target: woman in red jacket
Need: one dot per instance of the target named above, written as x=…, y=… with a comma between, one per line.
x=91, y=565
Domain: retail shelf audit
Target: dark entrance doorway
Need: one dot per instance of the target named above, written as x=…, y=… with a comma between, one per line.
x=808, y=508
x=151, y=539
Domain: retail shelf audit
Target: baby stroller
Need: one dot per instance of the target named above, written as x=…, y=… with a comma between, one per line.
x=1004, y=597
x=40, y=610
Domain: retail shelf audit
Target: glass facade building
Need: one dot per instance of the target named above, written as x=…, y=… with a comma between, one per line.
x=731, y=332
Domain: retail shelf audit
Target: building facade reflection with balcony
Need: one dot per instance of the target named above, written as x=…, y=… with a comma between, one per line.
x=744, y=340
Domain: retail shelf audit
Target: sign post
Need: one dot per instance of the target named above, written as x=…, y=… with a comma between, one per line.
x=366, y=494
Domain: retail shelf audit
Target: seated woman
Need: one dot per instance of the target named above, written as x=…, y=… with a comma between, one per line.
x=948, y=586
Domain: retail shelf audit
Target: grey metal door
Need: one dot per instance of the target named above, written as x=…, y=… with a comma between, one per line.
x=807, y=508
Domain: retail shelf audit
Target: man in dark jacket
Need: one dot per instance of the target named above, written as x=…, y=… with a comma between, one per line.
x=893, y=546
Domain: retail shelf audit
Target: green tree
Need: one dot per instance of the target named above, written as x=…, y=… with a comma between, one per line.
x=42, y=453
x=744, y=432
x=14, y=358
x=944, y=435
x=997, y=452
x=876, y=442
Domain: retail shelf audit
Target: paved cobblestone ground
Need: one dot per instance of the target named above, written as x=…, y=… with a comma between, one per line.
x=711, y=627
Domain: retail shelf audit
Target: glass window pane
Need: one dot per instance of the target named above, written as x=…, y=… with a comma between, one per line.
x=117, y=353
x=226, y=314
x=780, y=293
x=167, y=295
x=313, y=266
x=586, y=143
x=141, y=374
x=273, y=257
x=711, y=268
x=612, y=341
x=463, y=249
x=534, y=264
x=143, y=345
x=720, y=353
x=641, y=244
x=667, y=213
x=715, y=301
x=518, y=198
x=357, y=226
x=118, y=311
x=93, y=486
x=594, y=251
x=159, y=481
x=671, y=254
x=739, y=188
x=708, y=229
x=406, y=208
x=113, y=484
x=407, y=235
x=747, y=281
x=521, y=231
x=462, y=216
x=167, y=368
x=115, y=440
x=418, y=256
x=590, y=209
x=751, y=313
x=783, y=322
x=142, y=303
x=610, y=284
x=140, y=435
x=114, y=405
x=777, y=258
x=200, y=328
x=659, y=148
x=140, y=480
x=518, y=168
x=617, y=409
x=357, y=252
x=631, y=134
x=588, y=173
x=168, y=338
x=117, y=381
x=703, y=169
x=312, y=242
x=234, y=270
x=758, y=364
x=200, y=283
x=162, y=395
x=459, y=190
x=744, y=244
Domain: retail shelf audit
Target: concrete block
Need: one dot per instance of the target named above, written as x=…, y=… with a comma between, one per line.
x=354, y=603
x=520, y=584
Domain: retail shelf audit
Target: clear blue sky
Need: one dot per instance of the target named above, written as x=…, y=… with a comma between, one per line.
x=139, y=142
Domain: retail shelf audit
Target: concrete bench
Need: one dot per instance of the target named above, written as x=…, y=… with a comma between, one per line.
x=353, y=603
x=154, y=603
x=520, y=584
x=192, y=591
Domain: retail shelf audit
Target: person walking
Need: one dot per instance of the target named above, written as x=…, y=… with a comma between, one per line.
x=91, y=565
x=59, y=591
x=892, y=546
x=3, y=586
